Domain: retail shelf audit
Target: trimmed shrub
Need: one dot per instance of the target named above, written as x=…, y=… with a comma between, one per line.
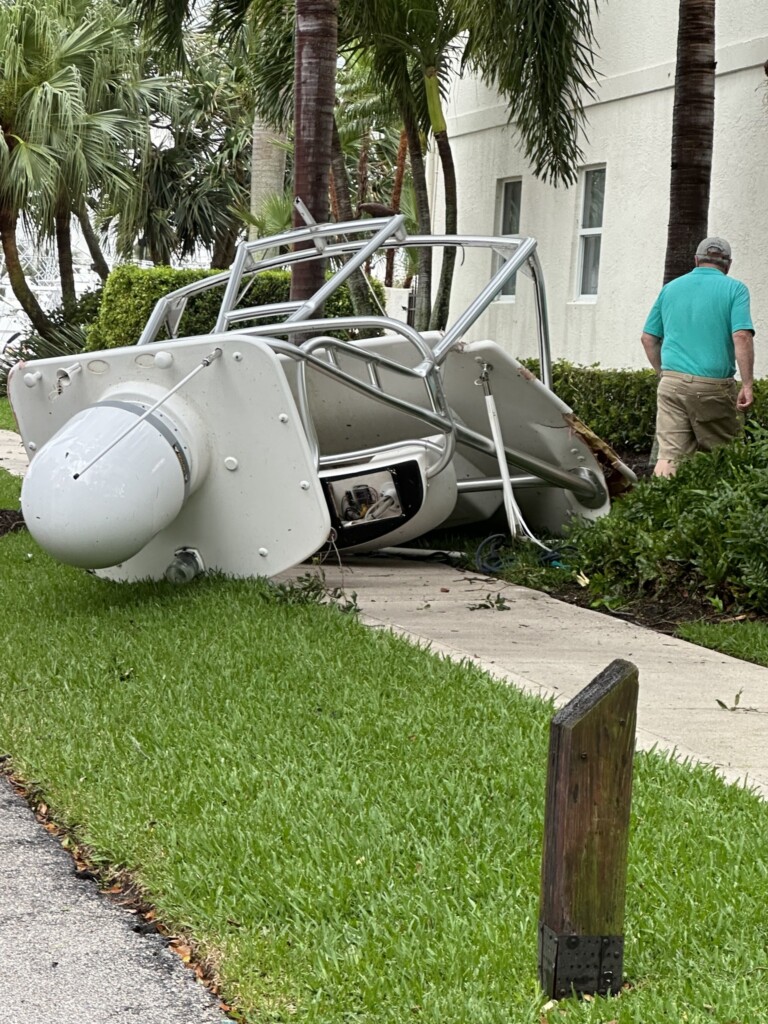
x=620, y=405
x=131, y=293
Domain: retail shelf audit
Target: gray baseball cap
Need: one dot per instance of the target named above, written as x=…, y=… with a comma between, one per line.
x=714, y=246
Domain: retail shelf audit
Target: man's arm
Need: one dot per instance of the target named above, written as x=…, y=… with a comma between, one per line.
x=744, y=349
x=652, y=346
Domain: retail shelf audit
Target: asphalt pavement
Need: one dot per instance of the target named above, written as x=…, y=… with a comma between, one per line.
x=71, y=956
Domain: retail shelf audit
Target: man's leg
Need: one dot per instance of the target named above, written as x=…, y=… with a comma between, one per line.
x=714, y=418
x=674, y=432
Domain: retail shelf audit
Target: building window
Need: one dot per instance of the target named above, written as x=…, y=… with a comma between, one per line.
x=591, y=231
x=508, y=220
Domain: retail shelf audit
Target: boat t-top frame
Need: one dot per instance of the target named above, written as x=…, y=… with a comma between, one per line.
x=350, y=246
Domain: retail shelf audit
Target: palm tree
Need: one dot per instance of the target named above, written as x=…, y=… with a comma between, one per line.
x=692, y=134
x=302, y=35
x=409, y=48
x=64, y=124
x=368, y=159
x=538, y=56
x=268, y=161
x=192, y=177
x=370, y=131
x=269, y=53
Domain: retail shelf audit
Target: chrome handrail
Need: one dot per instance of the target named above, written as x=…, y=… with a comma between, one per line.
x=521, y=256
x=374, y=361
x=584, y=485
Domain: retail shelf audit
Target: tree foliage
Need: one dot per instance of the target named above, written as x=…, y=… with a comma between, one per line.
x=74, y=101
x=539, y=55
x=191, y=179
x=78, y=98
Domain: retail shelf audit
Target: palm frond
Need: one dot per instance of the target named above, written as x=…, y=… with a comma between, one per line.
x=540, y=57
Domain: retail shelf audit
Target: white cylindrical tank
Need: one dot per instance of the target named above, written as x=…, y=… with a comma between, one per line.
x=116, y=506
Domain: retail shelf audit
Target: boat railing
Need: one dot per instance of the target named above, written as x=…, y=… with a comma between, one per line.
x=333, y=242
x=437, y=416
x=352, y=244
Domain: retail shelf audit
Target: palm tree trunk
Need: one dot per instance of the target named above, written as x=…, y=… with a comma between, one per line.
x=362, y=171
x=21, y=289
x=333, y=194
x=358, y=288
x=100, y=265
x=692, y=135
x=267, y=168
x=159, y=251
x=439, y=317
x=314, y=93
x=397, y=191
x=424, y=287
x=63, y=227
x=225, y=246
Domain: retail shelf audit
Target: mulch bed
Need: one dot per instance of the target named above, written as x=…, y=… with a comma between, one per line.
x=10, y=519
x=661, y=613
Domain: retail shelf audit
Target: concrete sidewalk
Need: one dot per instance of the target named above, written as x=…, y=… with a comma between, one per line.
x=13, y=458
x=71, y=956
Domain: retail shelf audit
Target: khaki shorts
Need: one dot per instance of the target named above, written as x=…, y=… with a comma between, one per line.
x=695, y=414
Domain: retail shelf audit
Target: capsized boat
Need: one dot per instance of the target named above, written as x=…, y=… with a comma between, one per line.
x=250, y=449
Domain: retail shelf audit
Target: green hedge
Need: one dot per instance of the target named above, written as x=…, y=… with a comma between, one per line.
x=620, y=405
x=131, y=293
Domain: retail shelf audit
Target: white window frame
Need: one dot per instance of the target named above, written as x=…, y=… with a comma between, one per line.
x=595, y=231
x=502, y=185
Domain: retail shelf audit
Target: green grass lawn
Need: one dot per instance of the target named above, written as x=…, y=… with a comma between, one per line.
x=746, y=640
x=7, y=421
x=348, y=827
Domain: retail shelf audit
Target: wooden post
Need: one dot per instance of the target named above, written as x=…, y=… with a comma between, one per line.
x=584, y=863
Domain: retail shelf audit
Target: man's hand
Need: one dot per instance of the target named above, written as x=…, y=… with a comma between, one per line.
x=744, y=399
x=744, y=350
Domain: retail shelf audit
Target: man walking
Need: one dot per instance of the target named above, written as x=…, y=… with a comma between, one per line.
x=698, y=331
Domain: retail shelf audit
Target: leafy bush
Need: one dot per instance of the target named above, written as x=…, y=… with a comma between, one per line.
x=131, y=293
x=703, y=532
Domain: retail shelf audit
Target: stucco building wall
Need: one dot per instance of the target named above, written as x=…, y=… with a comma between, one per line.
x=629, y=133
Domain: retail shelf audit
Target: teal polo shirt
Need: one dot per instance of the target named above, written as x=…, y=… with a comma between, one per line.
x=695, y=316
